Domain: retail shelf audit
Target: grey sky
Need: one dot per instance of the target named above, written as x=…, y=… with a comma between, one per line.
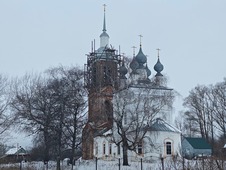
x=35, y=35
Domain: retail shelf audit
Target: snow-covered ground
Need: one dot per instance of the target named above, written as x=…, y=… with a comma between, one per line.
x=114, y=165
x=88, y=165
x=84, y=165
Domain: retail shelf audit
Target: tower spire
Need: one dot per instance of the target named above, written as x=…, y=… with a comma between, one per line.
x=104, y=24
x=104, y=37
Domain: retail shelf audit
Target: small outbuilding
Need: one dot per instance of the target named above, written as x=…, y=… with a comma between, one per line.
x=195, y=147
x=16, y=154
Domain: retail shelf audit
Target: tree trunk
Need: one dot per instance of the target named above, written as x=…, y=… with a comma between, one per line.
x=58, y=163
x=47, y=146
x=60, y=131
x=125, y=154
x=73, y=141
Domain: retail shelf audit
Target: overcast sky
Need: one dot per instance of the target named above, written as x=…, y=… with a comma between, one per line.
x=36, y=35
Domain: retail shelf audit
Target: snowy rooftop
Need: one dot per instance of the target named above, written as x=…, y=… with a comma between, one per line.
x=161, y=125
x=13, y=151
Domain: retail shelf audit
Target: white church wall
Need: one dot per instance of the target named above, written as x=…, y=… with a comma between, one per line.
x=161, y=138
x=154, y=145
x=104, y=148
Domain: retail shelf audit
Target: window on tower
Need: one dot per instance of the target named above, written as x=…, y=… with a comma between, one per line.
x=108, y=110
x=107, y=75
x=94, y=76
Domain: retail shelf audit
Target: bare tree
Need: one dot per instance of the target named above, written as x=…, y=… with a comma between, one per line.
x=5, y=117
x=199, y=113
x=74, y=104
x=218, y=114
x=180, y=122
x=219, y=106
x=46, y=104
x=134, y=111
x=33, y=106
x=207, y=114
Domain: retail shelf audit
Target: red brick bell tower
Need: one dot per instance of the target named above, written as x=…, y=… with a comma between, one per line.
x=101, y=78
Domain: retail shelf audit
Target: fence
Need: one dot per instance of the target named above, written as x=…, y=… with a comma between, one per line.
x=208, y=163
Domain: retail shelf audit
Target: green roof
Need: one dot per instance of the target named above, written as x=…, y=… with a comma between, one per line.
x=198, y=143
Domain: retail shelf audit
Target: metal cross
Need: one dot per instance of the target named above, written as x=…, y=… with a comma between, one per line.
x=158, y=51
x=140, y=39
x=104, y=7
x=134, y=50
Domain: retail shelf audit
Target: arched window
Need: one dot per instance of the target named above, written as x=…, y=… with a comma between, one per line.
x=110, y=149
x=105, y=75
x=96, y=149
x=104, y=148
x=108, y=110
x=94, y=76
x=168, y=148
x=109, y=76
x=119, y=149
x=140, y=148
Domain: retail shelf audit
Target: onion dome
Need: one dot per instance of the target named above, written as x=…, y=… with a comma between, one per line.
x=134, y=64
x=104, y=34
x=141, y=58
x=148, y=71
x=123, y=71
x=158, y=68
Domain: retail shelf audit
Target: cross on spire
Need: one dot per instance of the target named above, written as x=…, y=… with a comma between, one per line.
x=140, y=38
x=104, y=7
x=134, y=50
x=158, y=51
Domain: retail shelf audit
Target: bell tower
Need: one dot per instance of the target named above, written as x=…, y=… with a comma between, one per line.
x=101, y=79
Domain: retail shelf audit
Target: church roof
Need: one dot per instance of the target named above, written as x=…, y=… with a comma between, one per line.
x=198, y=143
x=14, y=151
x=161, y=125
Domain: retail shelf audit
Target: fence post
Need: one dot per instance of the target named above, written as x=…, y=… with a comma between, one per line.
x=141, y=163
x=162, y=160
x=119, y=164
x=21, y=165
x=202, y=162
x=183, y=162
x=96, y=163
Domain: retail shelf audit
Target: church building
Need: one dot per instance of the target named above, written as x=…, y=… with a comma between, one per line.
x=123, y=99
